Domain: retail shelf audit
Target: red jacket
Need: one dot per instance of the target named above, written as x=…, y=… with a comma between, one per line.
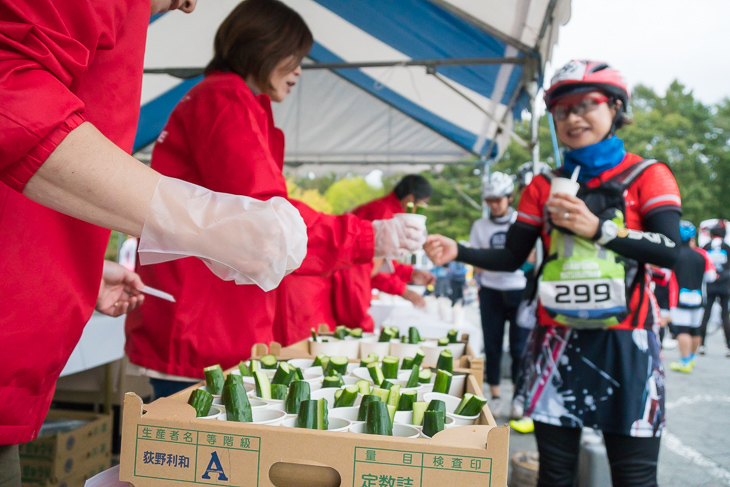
x=61, y=63
x=352, y=288
x=222, y=137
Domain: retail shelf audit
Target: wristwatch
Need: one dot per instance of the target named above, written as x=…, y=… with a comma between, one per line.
x=609, y=231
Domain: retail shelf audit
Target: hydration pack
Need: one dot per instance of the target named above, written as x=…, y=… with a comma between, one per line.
x=583, y=284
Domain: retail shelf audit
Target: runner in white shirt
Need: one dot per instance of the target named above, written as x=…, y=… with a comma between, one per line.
x=500, y=293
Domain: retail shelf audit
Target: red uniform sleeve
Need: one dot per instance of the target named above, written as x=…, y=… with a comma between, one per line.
x=389, y=283
x=404, y=271
x=46, y=47
x=530, y=209
x=656, y=190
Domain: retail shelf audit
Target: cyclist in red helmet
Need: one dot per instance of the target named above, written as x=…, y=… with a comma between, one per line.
x=593, y=358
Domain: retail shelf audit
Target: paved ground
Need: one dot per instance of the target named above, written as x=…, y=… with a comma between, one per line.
x=695, y=448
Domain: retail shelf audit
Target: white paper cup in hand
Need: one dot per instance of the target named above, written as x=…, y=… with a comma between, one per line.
x=564, y=185
x=414, y=219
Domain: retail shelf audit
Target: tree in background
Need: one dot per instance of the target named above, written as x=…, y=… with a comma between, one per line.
x=311, y=197
x=348, y=193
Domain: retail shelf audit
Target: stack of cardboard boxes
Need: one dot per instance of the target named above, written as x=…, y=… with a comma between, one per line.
x=69, y=457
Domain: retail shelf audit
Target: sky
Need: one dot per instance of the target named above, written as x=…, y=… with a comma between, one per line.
x=653, y=42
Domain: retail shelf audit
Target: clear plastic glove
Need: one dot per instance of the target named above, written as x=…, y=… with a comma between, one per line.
x=239, y=238
x=396, y=238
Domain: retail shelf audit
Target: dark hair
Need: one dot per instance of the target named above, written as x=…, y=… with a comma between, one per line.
x=256, y=36
x=717, y=231
x=414, y=184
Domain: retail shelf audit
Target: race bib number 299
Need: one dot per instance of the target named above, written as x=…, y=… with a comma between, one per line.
x=587, y=294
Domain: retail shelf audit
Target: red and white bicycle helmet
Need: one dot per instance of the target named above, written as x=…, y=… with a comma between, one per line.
x=582, y=75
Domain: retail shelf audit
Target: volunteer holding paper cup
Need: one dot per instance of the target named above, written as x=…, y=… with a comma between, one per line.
x=593, y=360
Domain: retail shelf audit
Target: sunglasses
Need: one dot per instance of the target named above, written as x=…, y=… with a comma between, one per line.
x=562, y=110
x=494, y=201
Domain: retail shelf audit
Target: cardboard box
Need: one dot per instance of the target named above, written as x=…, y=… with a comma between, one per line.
x=164, y=445
x=79, y=452
x=84, y=471
x=467, y=363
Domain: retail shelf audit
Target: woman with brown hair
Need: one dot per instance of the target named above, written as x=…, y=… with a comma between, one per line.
x=222, y=136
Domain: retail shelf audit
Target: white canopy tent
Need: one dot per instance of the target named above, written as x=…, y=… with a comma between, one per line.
x=387, y=82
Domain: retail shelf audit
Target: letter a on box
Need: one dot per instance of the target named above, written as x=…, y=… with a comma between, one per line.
x=214, y=466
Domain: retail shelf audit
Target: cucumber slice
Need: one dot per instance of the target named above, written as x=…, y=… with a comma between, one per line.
x=341, y=332
x=433, y=422
x=298, y=375
x=381, y=393
x=391, y=413
x=442, y=382
x=263, y=386
x=437, y=405
x=445, y=361
x=378, y=420
x=414, y=337
x=442, y=342
x=269, y=361
x=376, y=373
x=363, y=411
x=419, y=407
x=404, y=339
x=254, y=365
x=231, y=378
x=418, y=359
x=407, y=399
x=298, y=391
x=407, y=363
x=278, y=391
x=314, y=334
x=214, y=379
x=364, y=386
x=325, y=362
x=238, y=407
x=470, y=405
x=355, y=332
x=413, y=378
x=338, y=363
x=347, y=397
x=364, y=362
x=394, y=395
x=244, y=369
x=390, y=367
x=332, y=382
x=318, y=359
x=307, y=415
x=453, y=336
x=201, y=400
x=395, y=331
x=284, y=374
x=386, y=334
x=386, y=384
x=424, y=376
x=322, y=418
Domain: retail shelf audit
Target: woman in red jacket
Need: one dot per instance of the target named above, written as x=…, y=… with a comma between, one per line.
x=222, y=136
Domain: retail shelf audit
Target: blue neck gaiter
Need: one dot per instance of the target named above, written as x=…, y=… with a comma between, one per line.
x=595, y=159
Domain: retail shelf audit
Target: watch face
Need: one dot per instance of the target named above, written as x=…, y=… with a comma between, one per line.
x=622, y=231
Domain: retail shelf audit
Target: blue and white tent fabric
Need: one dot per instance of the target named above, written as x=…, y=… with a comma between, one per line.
x=434, y=81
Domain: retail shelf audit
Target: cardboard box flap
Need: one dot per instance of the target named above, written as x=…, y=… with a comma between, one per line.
x=163, y=408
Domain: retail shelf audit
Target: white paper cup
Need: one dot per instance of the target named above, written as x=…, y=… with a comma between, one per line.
x=400, y=430
x=457, y=385
x=280, y=407
x=213, y=413
x=403, y=350
x=255, y=403
x=372, y=345
x=263, y=416
x=564, y=185
x=349, y=413
x=302, y=363
x=335, y=424
x=452, y=402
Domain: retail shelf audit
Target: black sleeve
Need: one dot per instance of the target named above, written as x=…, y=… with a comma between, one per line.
x=520, y=240
x=657, y=244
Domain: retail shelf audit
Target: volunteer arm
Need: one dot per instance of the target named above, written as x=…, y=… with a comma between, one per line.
x=90, y=178
x=521, y=238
